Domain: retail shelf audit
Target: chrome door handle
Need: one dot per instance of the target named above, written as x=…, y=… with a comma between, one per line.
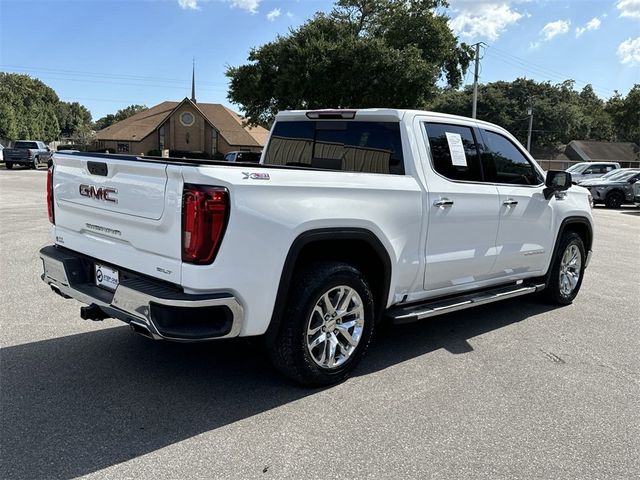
x=510, y=202
x=443, y=202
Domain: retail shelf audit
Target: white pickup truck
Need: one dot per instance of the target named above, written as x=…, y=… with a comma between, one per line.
x=351, y=217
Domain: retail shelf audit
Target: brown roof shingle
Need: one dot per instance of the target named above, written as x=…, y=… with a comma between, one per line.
x=228, y=123
x=137, y=126
x=608, y=151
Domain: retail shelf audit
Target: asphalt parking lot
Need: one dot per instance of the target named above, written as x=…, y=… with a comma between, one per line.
x=511, y=390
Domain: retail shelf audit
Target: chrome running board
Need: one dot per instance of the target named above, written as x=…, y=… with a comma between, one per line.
x=431, y=308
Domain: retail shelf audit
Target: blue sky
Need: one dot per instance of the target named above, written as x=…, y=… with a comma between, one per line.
x=108, y=54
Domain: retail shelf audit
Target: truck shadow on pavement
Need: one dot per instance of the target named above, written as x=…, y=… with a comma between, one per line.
x=78, y=404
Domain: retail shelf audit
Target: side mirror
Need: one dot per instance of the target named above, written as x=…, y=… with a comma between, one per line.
x=633, y=180
x=556, y=181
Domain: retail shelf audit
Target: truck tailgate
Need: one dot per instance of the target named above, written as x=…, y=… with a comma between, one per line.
x=126, y=213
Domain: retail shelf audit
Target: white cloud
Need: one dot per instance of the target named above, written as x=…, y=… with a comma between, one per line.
x=273, y=14
x=289, y=15
x=553, y=29
x=483, y=19
x=189, y=4
x=629, y=51
x=629, y=8
x=250, y=6
x=593, y=24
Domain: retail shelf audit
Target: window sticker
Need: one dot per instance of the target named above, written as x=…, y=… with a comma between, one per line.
x=456, y=149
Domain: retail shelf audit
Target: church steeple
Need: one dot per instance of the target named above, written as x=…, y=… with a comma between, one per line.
x=193, y=83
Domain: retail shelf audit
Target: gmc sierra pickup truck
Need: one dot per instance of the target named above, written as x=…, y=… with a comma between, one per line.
x=28, y=153
x=351, y=218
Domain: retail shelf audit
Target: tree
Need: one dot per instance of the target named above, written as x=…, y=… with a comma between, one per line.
x=561, y=114
x=365, y=53
x=28, y=108
x=624, y=112
x=121, y=114
x=72, y=117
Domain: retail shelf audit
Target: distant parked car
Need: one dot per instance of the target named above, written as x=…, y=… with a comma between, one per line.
x=29, y=153
x=244, y=157
x=1, y=155
x=636, y=193
x=586, y=170
x=616, y=190
x=607, y=176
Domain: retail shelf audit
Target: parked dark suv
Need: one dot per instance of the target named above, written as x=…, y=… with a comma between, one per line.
x=614, y=190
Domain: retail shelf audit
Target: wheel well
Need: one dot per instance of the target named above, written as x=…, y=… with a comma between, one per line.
x=615, y=190
x=356, y=252
x=583, y=230
x=357, y=247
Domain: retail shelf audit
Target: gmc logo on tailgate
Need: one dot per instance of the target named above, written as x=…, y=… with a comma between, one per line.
x=106, y=194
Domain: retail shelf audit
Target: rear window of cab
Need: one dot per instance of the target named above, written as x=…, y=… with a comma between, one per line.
x=350, y=146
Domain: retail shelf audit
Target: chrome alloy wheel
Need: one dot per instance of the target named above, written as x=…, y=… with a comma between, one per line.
x=335, y=327
x=570, y=270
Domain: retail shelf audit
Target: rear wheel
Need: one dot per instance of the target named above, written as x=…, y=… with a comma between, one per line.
x=566, y=271
x=327, y=325
x=36, y=163
x=614, y=200
x=9, y=165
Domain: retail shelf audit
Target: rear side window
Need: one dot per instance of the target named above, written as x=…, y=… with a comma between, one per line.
x=509, y=163
x=454, y=151
x=352, y=146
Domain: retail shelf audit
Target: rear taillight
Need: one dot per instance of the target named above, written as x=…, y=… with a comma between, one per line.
x=28, y=153
x=205, y=211
x=52, y=218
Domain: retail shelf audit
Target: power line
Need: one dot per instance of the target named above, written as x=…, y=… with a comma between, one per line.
x=530, y=67
x=90, y=75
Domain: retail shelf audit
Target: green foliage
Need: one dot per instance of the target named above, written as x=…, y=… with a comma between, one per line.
x=561, y=113
x=625, y=115
x=121, y=114
x=365, y=53
x=29, y=109
x=72, y=117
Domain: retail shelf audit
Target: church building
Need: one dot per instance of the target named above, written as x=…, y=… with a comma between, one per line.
x=205, y=129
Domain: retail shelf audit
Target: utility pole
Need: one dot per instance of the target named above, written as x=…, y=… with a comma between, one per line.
x=530, y=113
x=474, y=108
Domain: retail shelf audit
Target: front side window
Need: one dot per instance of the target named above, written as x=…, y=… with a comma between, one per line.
x=454, y=152
x=509, y=163
x=352, y=146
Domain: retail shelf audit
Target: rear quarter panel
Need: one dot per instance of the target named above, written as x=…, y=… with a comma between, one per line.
x=266, y=217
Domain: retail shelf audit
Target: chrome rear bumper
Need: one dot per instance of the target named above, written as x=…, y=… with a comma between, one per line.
x=166, y=313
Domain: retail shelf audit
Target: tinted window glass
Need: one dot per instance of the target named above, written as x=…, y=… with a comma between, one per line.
x=25, y=145
x=370, y=147
x=454, y=152
x=509, y=164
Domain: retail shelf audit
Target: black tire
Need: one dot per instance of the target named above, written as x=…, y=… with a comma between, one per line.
x=9, y=165
x=553, y=293
x=36, y=162
x=288, y=347
x=614, y=199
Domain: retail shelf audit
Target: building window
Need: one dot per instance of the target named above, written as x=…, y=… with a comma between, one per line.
x=214, y=141
x=187, y=119
x=161, y=137
x=123, y=148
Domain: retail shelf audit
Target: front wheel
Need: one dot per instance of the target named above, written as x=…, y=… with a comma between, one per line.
x=567, y=270
x=9, y=165
x=326, y=326
x=614, y=200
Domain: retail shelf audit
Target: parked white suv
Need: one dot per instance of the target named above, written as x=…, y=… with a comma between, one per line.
x=588, y=170
x=351, y=217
